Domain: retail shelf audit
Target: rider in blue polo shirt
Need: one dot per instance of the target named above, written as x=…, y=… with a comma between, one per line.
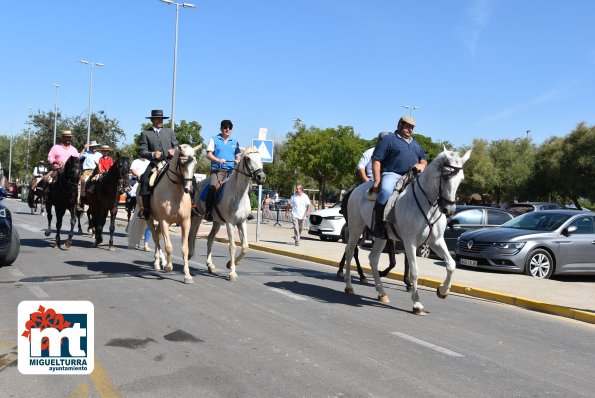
x=394, y=155
x=223, y=152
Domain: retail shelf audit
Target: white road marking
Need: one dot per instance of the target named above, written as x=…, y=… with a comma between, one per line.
x=428, y=345
x=16, y=272
x=288, y=294
x=38, y=292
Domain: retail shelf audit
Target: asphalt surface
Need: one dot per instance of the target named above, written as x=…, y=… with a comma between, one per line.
x=570, y=297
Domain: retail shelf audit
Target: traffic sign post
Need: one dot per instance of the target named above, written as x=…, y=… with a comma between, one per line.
x=265, y=148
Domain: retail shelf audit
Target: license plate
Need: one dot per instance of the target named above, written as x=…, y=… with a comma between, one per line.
x=466, y=261
x=313, y=228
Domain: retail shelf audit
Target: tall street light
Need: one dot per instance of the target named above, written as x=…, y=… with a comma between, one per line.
x=91, y=64
x=28, y=142
x=173, y=95
x=10, y=155
x=411, y=108
x=55, y=111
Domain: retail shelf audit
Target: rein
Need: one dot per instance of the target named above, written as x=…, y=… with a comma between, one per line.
x=178, y=172
x=253, y=173
x=440, y=200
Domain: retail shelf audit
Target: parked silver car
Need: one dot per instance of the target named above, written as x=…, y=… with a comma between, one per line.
x=538, y=243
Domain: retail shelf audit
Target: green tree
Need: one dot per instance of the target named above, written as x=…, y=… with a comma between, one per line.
x=186, y=133
x=513, y=162
x=479, y=171
x=328, y=156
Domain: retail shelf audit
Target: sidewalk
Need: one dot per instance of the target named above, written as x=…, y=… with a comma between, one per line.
x=570, y=299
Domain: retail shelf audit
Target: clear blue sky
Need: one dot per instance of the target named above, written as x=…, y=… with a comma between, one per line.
x=476, y=68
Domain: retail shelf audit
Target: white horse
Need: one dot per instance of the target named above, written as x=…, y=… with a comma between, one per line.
x=232, y=210
x=419, y=213
x=170, y=203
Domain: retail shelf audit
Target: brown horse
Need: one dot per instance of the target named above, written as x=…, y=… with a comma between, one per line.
x=170, y=203
x=105, y=197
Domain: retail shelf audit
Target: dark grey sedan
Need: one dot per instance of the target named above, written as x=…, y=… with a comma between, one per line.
x=540, y=244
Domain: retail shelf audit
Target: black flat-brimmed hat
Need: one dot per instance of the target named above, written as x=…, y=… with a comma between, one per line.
x=157, y=113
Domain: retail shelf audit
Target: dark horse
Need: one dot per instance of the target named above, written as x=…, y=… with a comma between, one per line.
x=105, y=198
x=35, y=196
x=389, y=249
x=62, y=194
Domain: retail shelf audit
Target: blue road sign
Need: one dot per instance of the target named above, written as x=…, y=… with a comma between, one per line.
x=265, y=147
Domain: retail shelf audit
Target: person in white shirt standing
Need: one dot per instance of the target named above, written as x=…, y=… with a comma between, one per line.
x=137, y=168
x=300, y=210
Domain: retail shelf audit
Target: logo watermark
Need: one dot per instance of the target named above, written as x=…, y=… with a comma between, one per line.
x=56, y=337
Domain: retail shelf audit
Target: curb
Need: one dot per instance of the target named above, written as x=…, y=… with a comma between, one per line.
x=552, y=309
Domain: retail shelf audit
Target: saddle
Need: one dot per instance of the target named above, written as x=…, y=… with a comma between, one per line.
x=157, y=173
x=407, y=179
x=205, y=191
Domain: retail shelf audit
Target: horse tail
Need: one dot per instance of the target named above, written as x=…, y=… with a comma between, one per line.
x=135, y=229
x=344, y=205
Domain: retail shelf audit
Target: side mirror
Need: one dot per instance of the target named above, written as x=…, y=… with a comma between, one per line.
x=453, y=222
x=569, y=231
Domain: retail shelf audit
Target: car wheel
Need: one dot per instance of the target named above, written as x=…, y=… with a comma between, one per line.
x=13, y=252
x=539, y=264
x=345, y=234
x=423, y=251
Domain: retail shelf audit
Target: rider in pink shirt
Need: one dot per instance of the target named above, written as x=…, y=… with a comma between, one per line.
x=60, y=153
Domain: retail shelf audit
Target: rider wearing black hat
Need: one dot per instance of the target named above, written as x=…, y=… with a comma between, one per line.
x=155, y=144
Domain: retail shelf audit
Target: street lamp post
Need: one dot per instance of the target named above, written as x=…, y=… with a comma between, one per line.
x=28, y=143
x=173, y=94
x=411, y=108
x=55, y=111
x=91, y=64
x=528, y=131
x=10, y=156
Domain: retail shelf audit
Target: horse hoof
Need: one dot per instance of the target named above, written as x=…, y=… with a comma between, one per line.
x=112, y=249
x=228, y=265
x=383, y=274
x=442, y=296
x=47, y=232
x=67, y=245
x=340, y=274
x=53, y=245
x=419, y=311
x=349, y=290
x=232, y=278
x=363, y=280
x=409, y=288
x=383, y=298
x=212, y=270
x=169, y=268
x=188, y=281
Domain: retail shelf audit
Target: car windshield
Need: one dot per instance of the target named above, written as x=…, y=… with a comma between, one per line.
x=539, y=221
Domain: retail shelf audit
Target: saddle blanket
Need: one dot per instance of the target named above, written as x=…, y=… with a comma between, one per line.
x=205, y=191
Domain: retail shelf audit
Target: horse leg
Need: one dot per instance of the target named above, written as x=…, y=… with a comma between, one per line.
x=340, y=273
x=441, y=250
x=243, y=234
x=168, y=246
x=362, y=277
x=155, y=235
x=68, y=242
x=418, y=308
x=112, y=228
x=99, y=222
x=407, y=274
x=210, y=239
x=48, y=207
x=349, y=250
x=59, y=215
x=195, y=221
x=390, y=247
x=185, y=226
x=374, y=257
x=233, y=276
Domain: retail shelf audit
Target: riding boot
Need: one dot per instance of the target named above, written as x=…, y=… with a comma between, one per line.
x=209, y=203
x=145, y=212
x=379, y=230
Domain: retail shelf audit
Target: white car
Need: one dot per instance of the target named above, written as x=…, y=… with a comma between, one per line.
x=327, y=223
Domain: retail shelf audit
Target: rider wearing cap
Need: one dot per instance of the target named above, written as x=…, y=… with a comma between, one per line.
x=59, y=154
x=223, y=152
x=394, y=155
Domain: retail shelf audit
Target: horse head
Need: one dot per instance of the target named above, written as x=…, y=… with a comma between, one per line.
x=449, y=165
x=251, y=165
x=123, y=166
x=72, y=170
x=185, y=163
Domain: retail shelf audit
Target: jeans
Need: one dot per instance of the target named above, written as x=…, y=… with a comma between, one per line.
x=147, y=235
x=387, y=186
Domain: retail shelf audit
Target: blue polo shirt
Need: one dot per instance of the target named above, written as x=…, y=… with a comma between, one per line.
x=397, y=155
x=223, y=150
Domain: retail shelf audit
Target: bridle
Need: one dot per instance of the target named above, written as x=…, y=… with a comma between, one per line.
x=123, y=182
x=251, y=173
x=178, y=172
x=447, y=172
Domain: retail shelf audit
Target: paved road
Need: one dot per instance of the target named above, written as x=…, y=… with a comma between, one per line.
x=285, y=329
